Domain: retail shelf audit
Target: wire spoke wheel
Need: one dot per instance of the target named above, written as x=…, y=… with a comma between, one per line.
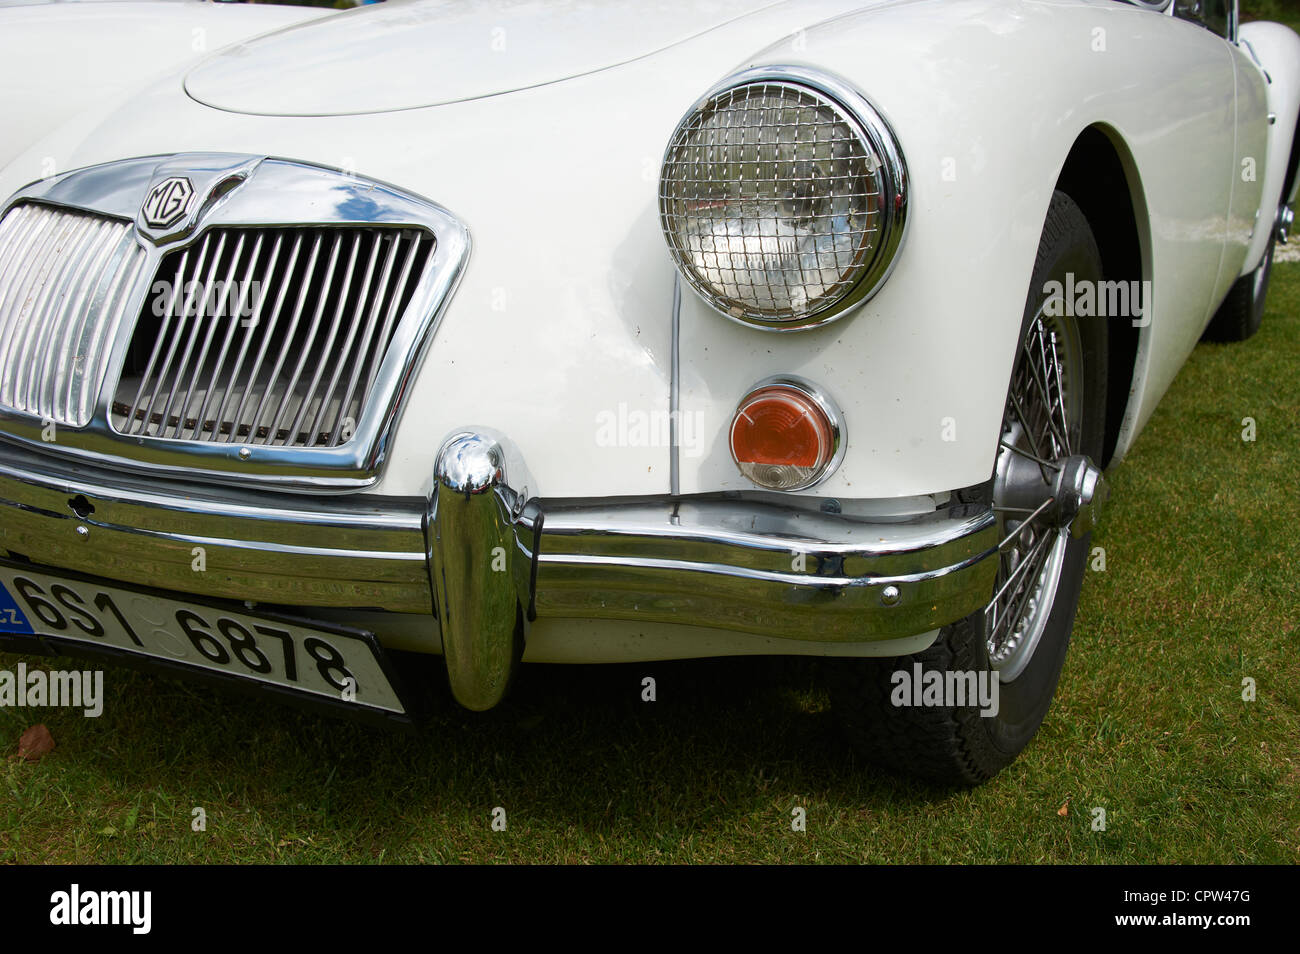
x=1046, y=493
x=1041, y=428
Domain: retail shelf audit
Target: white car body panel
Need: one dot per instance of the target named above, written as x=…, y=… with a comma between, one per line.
x=429, y=54
x=600, y=285
x=112, y=49
x=563, y=318
x=979, y=231
x=1278, y=50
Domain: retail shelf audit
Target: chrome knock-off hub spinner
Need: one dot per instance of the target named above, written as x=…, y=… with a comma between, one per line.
x=1042, y=486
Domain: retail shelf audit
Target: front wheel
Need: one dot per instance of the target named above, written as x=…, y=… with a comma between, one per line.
x=960, y=711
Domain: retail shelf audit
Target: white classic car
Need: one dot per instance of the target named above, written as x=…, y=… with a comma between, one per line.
x=617, y=331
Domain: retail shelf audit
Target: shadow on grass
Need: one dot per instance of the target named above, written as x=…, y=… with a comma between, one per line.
x=574, y=745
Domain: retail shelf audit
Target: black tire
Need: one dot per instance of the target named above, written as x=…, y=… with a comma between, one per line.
x=1242, y=312
x=956, y=745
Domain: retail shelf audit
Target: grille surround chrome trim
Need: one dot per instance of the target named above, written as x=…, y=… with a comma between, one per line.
x=265, y=192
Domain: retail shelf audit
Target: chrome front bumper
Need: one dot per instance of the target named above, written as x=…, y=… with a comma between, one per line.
x=486, y=555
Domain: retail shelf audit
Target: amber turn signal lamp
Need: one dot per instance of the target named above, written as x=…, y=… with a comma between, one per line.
x=784, y=436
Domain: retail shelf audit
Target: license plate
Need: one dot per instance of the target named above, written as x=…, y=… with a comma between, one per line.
x=327, y=663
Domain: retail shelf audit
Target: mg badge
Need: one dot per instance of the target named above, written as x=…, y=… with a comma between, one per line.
x=168, y=202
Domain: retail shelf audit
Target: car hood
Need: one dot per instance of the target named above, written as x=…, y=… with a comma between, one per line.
x=408, y=54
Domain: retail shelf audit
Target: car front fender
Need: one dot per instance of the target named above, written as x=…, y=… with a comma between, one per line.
x=987, y=99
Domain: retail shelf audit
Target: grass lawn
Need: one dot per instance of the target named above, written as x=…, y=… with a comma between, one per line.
x=1200, y=590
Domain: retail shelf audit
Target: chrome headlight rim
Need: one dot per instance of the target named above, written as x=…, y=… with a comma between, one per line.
x=873, y=129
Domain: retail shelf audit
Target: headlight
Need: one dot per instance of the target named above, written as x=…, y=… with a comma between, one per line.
x=783, y=198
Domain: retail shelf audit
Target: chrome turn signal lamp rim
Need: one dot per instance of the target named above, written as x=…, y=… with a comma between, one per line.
x=786, y=434
x=783, y=198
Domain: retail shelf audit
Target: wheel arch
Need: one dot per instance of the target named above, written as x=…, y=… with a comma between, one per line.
x=1100, y=175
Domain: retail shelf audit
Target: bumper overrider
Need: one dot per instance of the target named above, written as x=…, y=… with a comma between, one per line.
x=486, y=554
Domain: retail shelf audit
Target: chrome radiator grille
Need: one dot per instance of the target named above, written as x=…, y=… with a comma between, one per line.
x=268, y=335
x=65, y=281
x=220, y=317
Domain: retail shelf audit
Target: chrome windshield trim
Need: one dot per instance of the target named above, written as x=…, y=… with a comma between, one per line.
x=251, y=191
